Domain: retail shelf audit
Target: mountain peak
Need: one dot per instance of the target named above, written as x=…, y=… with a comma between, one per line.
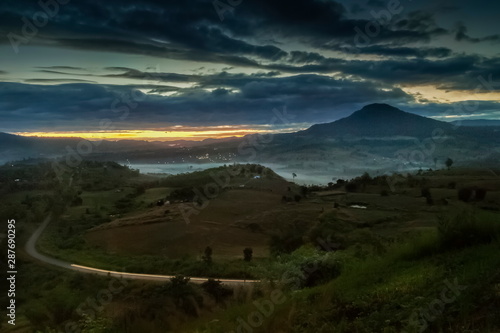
x=379, y=120
x=379, y=109
x=379, y=106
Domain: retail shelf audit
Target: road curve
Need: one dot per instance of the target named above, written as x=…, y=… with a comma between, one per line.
x=32, y=251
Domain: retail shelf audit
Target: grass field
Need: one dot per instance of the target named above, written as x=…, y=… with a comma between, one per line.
x=339, y=268
x=248, y=216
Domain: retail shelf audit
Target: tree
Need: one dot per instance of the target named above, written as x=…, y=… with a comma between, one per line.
x=207, y=257
x=294, y=175
x=247, y=254
x=449, y=163
x=217, y=290
x=426, y=193
x=365, y=179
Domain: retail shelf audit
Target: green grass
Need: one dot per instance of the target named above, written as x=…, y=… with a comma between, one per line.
x=154, y=194
x=400, y=253
x=380, y=293
x=79, y=253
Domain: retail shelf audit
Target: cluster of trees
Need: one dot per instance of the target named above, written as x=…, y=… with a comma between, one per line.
x=207, y=254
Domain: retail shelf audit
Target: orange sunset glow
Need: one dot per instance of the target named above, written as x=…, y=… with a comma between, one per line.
x=149, y=135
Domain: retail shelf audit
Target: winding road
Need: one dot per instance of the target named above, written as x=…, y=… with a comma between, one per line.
x=32, y=251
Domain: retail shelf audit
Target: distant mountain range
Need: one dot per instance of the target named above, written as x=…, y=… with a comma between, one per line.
x=376, y=136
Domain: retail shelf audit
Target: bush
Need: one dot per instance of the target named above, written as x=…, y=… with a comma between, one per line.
x=320, y=271
x=468, y=228
x=183, y=293
x=184, y=194
x=305, y=267
x=207, y=256
x=247, y=254
x=217, y=290
x=285, y=243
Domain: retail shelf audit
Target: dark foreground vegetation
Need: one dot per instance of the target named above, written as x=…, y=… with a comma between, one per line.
x=401, y=253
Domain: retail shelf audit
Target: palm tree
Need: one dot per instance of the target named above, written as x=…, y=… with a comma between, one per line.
x=294, y=175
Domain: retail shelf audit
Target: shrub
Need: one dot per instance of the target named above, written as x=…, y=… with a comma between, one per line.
x=184, y=194
x=216, y=289
x=285, y=243
x=207, y=256
x=467, y=228
x=319, y=271
x=247, y=254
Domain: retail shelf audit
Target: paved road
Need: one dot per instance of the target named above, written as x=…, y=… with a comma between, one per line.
x=31, y=250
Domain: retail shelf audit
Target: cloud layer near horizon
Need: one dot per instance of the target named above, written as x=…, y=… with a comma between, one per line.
x=202, y=64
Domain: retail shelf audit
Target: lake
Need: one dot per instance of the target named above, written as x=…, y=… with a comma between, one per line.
x=304, y=176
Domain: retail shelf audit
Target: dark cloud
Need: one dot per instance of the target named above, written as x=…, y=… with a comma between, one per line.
x=234, y=100
x=195, y=32
x=458, y=109
x=61, y=68
x=454, y=72
x=131, y=73
x=356, y=9
x=157, y=50
x=58, y=81
x=461, y=35
x=391, y=51
x=376, y=3
x=306, y=54
x=421, y=21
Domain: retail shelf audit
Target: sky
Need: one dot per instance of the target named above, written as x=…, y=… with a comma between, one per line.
x=168, y=70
